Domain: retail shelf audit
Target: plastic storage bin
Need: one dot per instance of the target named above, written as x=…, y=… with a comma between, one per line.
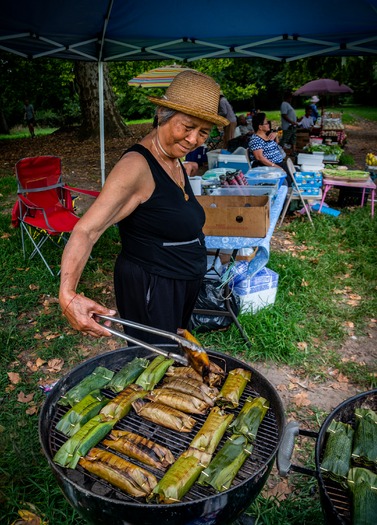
x=266, y=175
x=256, y=191
x=212, y=158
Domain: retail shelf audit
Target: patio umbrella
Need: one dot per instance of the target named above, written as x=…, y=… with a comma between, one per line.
x=323, y=86
x=158, y=77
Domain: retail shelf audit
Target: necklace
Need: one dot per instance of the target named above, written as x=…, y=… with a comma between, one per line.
x=179, y=183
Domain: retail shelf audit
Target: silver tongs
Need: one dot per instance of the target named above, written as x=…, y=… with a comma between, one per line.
x=185, y=344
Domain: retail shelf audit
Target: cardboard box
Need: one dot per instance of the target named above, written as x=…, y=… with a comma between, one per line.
x=236, y=216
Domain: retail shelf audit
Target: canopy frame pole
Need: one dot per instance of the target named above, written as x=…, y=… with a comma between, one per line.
x=101, y=121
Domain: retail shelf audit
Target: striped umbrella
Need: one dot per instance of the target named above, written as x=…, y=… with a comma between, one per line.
x=159, y=77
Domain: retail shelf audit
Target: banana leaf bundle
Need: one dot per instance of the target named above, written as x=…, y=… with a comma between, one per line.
x=184, y=402
x=128, y=374
x=363, y=486
x=364, y=449
x=233, y=387
x=197, y=359
x=87, y=437
x=79, y=414
x=250, y=417
x=222, y=470
x=213, y=429
x=337, y=455
x=154, y=372
x=163, y=415
x=128, y=477
x=97, y=379
x=216, y=373
x=193, y=387
x=180, y=477
x=140, y=448
x=121, y=404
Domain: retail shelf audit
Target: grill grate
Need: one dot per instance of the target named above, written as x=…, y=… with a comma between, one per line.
x=255, y=466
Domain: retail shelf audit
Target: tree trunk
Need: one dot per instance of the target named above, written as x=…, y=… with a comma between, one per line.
x=86, y=74
x=4, y=128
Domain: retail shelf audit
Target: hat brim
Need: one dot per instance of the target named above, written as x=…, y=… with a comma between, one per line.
x=209, y=117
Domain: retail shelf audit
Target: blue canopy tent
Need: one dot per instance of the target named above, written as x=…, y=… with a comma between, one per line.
x=110, y=30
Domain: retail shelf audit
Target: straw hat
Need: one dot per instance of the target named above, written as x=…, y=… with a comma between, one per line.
x=195, y=94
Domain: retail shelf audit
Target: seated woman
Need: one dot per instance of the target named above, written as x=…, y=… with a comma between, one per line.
x=307, y=121
x=263, y=145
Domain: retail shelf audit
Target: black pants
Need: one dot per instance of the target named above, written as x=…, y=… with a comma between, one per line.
x=153, y=300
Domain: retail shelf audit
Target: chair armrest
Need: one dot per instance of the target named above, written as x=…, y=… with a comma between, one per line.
x=92, y=193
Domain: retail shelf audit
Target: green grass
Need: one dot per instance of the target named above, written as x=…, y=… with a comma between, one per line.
x=339, y=254
x=23, y=133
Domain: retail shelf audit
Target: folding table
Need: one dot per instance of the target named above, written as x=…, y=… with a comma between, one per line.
x=259, y=261
x=364, y=185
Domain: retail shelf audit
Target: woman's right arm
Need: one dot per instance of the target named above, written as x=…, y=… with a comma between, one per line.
x=127, y=186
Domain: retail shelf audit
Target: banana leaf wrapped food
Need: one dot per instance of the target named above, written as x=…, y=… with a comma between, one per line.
x=215, y=377
x=222, y=470
x=250, y=417
x=163, y=415
x=337, y=454
x=181, y=476
x=128, y=374
x=87, y=437
x=190, y=385
x=364, y=450
x=121, y=404
x=184, y=402
x=80, y=413
x=233, y=387
x=97, y=379
x=363, y=486
x=154, y=372
x=128, y=477
x=213, y=429
x=197, y=359
x=140, y=448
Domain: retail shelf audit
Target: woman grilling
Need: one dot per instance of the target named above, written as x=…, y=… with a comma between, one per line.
x=159, y=270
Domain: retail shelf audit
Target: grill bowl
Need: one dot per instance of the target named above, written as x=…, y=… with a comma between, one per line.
x=100, y=504
x=335, y=499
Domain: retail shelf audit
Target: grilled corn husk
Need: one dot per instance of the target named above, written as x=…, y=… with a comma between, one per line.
x=233, y=387
x=363, y=486
x=184, y=402
x=180, y=477
x=97, y=379
x=189, y=385
x=337, y=454
x=87, y=437
x=213, y=429
x=128, y=477
x=250, y=417
x=364, y=450
x=121, y=404
x=140, y=448
x=128, y=374
x=163, y=415
x=224, y=467
x=154, y=372
x=79, y=414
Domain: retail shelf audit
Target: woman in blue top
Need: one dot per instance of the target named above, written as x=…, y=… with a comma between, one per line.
x=263, y=146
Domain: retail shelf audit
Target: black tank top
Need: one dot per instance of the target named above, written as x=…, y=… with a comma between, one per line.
x=164, y=234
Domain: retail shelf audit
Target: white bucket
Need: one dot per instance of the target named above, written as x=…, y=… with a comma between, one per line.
x=196, y=185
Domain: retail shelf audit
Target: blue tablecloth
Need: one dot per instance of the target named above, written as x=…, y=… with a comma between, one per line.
x=263, y=253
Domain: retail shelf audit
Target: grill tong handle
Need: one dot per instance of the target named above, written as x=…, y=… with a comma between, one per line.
x=169, y=355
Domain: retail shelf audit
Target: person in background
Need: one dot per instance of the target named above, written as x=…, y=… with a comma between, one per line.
x=306, y=122
x=288, y=122
x=226, y=111
x=243, y=127
x=313, y=104
x=163, y=259
x=29, y=116
x=263, y=145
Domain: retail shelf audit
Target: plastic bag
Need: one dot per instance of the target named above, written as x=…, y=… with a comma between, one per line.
x=211, y=297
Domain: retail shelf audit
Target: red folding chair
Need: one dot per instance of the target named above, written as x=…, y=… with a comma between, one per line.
x=44, y=209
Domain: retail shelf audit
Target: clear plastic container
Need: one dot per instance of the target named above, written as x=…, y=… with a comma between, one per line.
x=256, y=191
